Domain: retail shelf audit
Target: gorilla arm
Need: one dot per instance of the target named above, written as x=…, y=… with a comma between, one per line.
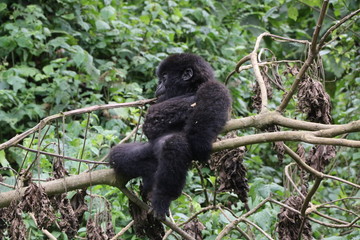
x=210, y=114
x=168, y=116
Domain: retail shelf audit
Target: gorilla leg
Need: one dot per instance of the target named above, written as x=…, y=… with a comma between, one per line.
x=174, y=157
x=135, y=160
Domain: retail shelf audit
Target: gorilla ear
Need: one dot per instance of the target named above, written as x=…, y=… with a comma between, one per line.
x=187, y=74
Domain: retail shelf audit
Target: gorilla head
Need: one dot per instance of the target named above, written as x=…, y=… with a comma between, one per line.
x=181, y=74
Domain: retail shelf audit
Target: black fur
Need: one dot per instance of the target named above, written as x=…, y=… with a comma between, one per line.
x=191, y=110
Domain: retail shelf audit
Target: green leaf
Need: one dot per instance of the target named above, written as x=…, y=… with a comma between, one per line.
x=145, y=19
x=312, y=3
x=17, y=82
x=69, y=16
x=293, y=13
x=48, y=70
x=79, y=58
x=59, y=42
x=2, y=6
x=3, y=161
x=7, y=44
x=39, y=77
x=26, y=71
x=108, y=13
x=101, y=25
x=263, y=219
x=24, y=42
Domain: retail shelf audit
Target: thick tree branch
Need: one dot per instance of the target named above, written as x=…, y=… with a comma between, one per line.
x=303, y=136
x=83, y=180
x=275, y=118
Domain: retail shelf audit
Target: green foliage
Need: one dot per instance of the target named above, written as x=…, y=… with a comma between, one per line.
x=60, y=55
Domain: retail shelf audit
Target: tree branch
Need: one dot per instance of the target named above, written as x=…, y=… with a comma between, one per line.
x=259, y=78
x=13, y=141
x=338, y=24
x=83, y=180
x=312, y=53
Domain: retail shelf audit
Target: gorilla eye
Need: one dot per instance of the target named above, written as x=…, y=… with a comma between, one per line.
x=164, y=77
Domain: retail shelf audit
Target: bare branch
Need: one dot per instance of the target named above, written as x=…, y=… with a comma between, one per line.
x=312, y=53
x=338, y=24
x=259, y=78
x=234, y=223
x=246, y=67
x=304, y=209
x=83, y=180
x=303, y=136
x=318, y=27
x=13, y=141
x=311, y=170
x=258, y=228
x=119, y=234
x=60, y=156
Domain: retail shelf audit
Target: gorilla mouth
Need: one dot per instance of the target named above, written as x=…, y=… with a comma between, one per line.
x=159, y=94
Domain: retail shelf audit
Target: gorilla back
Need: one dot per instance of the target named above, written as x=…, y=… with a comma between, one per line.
x=191, y=110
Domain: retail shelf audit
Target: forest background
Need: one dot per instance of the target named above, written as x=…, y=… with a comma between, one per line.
x=58, y=56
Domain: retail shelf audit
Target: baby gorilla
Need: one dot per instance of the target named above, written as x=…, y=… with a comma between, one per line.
x=191, y=110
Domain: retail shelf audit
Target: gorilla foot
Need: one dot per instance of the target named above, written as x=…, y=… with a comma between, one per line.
x=160, y=208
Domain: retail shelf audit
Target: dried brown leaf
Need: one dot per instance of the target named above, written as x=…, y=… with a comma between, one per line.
x=301, y=151
x=194, y=228
x=289, y=223
x=13, y=218
x=58, y=168
x=145, y=224
x=320, y=156
x=94, y=231
x=231, y=171
x=78, y=204
x=68, y=222
x=3, y=221
x=277, y=146
x=35, y=200
x=314, y=101
x=291, y=70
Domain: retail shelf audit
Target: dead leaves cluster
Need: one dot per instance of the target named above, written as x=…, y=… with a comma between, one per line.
x=231, y=172
x=314, y=101
x=289, y=221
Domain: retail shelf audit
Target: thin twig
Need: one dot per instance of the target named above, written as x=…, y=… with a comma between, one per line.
x=145, y=207
x=312, y=53
x=291, y=181
x=234, y=223
x=313, y=171
x=258, y=228
x=306, y=202
x=13, y=141
x=337, y=25
x=127, y=227
x=85, y=137
x=246, y=67
x=60, y=156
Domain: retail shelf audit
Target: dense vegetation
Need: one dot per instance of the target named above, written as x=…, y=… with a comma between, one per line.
x=62, y=55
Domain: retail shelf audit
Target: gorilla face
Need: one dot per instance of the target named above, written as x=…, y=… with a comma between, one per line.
x=181, y=74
